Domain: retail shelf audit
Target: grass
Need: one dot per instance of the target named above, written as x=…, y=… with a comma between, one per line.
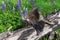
x=8, y=18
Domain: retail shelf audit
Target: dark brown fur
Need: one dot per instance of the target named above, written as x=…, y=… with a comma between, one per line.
x=33, y=16
x=33, y=19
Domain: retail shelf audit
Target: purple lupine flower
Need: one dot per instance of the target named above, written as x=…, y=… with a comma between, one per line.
x=17, y=7
x=32, y=1
x=3, y=6
x=19, y=3
x=25, y=12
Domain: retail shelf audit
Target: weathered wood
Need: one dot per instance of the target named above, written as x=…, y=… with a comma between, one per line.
x=28, y=34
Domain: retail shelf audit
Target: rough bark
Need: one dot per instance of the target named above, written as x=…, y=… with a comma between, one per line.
x=26, y=34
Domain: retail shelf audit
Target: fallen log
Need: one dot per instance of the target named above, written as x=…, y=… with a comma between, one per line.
x=28, y=33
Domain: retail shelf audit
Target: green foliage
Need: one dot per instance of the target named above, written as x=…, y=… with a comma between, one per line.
x=8, y=19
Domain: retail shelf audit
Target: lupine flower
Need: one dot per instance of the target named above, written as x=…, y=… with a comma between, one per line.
x=25, y=12
x=3, y=6
x=17, y=7
x=32, y=1
x=19, y=3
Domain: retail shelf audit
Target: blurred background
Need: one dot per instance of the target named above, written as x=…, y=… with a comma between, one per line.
x=12, y=11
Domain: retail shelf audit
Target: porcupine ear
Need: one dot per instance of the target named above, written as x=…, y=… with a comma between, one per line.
x=35, y=12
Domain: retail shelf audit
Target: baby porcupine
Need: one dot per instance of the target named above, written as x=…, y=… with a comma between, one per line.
x=33, y=18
